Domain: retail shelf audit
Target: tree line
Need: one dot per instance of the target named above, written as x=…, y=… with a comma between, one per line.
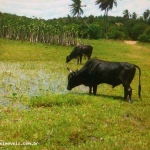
x=71, y=30
x=106, y=6
x=36, y=30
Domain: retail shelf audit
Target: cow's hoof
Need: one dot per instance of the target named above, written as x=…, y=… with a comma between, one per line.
x=130, y=101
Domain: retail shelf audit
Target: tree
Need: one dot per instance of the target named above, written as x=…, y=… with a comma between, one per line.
x=106, y=5
x=146, y=14
x=149, y=21
x=126, y=14
x=138, y=29
x=76, y=8
x=1, y=24
x=134, y=15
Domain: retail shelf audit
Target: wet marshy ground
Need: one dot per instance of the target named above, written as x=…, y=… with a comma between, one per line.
x=20, y=79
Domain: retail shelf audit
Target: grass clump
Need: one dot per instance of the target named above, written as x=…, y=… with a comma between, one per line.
x=59, y=100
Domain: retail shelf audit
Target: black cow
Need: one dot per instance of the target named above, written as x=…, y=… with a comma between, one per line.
x=96, y=71
x=78, y=52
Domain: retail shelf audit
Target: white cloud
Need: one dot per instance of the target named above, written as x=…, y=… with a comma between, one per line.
x=138, y=6
x=49, y=9
x=39, y=8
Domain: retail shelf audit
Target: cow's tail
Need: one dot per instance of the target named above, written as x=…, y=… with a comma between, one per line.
x=139, y=86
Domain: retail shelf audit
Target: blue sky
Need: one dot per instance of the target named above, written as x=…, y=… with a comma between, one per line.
x=49, y=9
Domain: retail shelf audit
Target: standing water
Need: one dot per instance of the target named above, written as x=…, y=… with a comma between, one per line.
x=19, y=79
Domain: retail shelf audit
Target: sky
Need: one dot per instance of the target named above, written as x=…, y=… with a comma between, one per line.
x=49, y=9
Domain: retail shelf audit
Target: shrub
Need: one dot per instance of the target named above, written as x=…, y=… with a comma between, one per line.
x=144, y=38
x=147, y=31
x=137, y=30
x=116, y=34
x=94, y=31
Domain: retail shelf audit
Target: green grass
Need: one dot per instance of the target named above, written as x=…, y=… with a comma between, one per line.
x=43, y=112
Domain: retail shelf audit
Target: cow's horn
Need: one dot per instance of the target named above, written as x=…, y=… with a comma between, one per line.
x=69, y=70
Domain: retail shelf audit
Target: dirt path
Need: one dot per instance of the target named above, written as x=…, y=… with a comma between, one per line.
x=130, y=42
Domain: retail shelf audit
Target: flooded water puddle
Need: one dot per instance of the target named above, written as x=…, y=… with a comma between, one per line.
x=29, y=79
x=32, y=79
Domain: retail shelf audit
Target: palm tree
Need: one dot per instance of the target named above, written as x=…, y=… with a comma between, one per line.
x=76, y=8
x=134, y=15
x=106, y=5
x=126, y=14
x=1, y=15
x=146, y=14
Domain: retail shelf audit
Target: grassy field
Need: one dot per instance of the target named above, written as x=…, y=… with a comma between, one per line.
x=37, y=112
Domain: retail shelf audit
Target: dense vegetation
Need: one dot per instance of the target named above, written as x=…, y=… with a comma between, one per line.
x=70, y=30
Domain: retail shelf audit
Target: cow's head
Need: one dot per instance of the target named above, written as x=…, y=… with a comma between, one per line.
x=71, y=79
x=68, y=59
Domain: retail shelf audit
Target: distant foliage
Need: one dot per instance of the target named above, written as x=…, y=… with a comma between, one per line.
x=137, y=30
x=144, y=38
x=70, y=30
x=116, y=32
x=37, y=30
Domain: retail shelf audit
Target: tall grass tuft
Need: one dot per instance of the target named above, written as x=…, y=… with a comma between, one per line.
x=59, y=100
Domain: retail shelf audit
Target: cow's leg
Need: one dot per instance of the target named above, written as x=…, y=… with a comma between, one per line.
x=90, y=90
x=89, y=57
x=80, y=59
x=128, y=93
x=94, y=89
x=125, y=93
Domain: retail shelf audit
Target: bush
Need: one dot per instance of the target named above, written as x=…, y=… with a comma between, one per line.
x=94, y=31
x=116, y=34
x=147, y=31
x=137, y=30
x=144, y=38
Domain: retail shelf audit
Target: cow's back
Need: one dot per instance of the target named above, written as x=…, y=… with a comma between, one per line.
x=89, y=67
x=99, y=71
x=95, y=65
x=87, y=49
x=76, y=52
